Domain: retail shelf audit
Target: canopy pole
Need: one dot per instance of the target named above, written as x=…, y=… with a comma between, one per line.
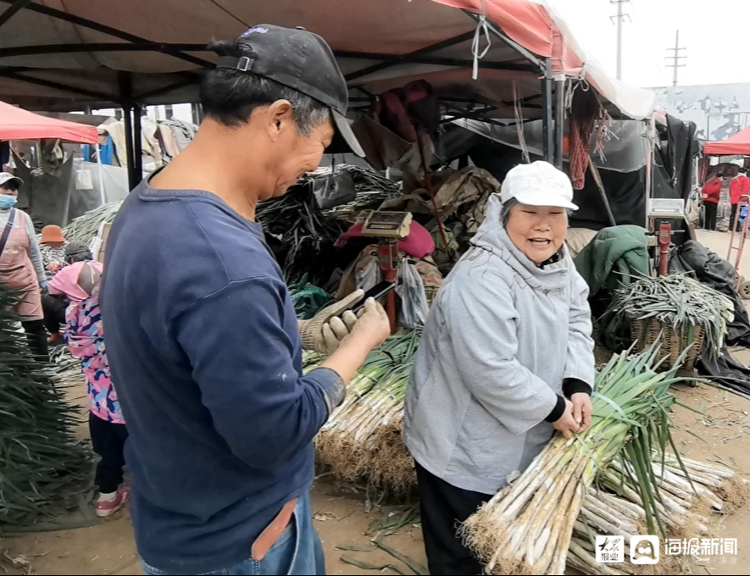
x=559, y=119
x=102, y=197
x=650, y=155
x=602, y=192
x=128, y=120
x=137, y=143
x=547, y=133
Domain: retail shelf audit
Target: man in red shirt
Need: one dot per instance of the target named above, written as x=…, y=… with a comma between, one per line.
x=738, y=187
x=711, y=192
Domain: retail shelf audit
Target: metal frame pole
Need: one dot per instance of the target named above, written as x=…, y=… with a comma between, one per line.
x=547, y=119
x=137, y=143
x=559, y=119
x=102, y=195
x=651, y=131
x=128, y=119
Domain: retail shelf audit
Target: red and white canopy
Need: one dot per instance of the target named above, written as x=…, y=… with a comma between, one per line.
x=149, y=50
x=19, y=124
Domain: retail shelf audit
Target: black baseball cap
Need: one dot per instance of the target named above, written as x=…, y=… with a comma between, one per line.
x=299, y=60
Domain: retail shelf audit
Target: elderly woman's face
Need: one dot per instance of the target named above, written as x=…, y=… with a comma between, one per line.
x=537, y=231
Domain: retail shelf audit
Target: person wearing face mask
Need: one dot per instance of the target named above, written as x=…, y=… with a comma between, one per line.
x=506, y=359
x=21, y=265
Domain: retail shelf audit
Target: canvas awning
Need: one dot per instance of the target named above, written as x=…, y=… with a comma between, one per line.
x=19, y=124
x=737, y=145
x=149, y=51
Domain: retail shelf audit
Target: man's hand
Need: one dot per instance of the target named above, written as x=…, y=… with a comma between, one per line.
x=54, y=266
x=372, y=326
x=567, y=424
x=582, y=410
x=325, y=331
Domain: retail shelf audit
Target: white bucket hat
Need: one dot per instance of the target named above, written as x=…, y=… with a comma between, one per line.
x=7, y=177
x=538, y=184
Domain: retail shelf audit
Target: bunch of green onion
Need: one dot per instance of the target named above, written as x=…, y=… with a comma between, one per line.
x=84, y=228
x=362, y=438
x=528, y=525
x=45, y=472
x=677, y=301
x=616, y=507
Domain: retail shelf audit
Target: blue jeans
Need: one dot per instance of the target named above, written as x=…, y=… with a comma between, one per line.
x=297, y=551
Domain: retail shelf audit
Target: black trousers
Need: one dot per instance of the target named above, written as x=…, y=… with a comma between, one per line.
x=443, y=508
x=711, y=208
x=108, y=441
x=36, y=336
x=54, y=312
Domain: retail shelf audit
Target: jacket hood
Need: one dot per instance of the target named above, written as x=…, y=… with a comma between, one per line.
x=492, y=236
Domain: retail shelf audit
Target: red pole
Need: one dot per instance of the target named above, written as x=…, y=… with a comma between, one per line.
x=665, y=239
x=388, y=256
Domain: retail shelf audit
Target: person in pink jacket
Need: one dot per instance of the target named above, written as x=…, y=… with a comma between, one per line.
x=84, y=336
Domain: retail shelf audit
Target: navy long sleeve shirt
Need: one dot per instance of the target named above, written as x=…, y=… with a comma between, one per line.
x=205, y=357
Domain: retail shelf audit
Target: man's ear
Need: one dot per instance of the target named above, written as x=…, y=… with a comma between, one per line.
x=279, y=118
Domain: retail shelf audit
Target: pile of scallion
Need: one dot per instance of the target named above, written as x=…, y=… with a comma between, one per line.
x=372, y=190
x=362, y=439
x=529, y=526
x=84, y=228
x=677, y=301
x=300, y=235
x=45, y=472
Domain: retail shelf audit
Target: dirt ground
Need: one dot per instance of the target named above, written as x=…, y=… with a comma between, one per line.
x=721, y=433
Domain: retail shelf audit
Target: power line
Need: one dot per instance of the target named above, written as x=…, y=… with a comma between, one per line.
x=676, y=57
x=620, y=17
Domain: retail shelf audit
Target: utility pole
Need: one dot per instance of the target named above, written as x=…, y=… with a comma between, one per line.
x=620, y=17
x=676, y=57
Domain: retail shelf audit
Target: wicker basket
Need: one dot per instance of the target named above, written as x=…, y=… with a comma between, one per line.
x=673, y=341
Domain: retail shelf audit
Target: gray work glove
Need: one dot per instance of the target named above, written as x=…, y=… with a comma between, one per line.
x=325, y=331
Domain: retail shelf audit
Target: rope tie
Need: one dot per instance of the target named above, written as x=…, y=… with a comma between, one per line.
x=482, y=27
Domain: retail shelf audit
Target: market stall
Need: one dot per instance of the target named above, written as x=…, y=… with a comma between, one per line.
x=504, y=63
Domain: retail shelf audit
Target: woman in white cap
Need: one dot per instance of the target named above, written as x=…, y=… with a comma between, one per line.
x=506, y=359
x=21, y=267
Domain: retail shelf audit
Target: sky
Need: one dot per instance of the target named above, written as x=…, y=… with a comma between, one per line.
x=715, y=33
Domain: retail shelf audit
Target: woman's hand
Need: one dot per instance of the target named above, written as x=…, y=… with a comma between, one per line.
x=567, y=424
x=582, y=410
x=54, y=266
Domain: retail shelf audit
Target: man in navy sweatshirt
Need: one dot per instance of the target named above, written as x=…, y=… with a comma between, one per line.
x=202, y=338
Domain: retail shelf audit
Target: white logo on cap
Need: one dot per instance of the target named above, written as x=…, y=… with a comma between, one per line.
x=258, y=29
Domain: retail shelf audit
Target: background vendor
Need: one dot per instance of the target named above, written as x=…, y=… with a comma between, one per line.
x=21, y=266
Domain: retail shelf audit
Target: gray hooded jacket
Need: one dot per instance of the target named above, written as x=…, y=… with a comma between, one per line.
x=501, y=336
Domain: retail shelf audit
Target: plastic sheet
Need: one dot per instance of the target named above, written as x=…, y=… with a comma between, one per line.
x=410, y=288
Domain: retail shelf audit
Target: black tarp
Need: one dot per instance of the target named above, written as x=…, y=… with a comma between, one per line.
x=694, y=258
x=626, y=191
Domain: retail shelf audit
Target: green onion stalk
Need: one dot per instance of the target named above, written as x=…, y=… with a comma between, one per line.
x=678, y=301
x=617, y=506
x=85, y=227
x=528, y=526
x=362, y=439
x=45, y=472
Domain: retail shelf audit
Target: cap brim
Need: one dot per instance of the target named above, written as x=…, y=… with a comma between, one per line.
x=343, y=127
x=540, y=201
x=16, y=178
